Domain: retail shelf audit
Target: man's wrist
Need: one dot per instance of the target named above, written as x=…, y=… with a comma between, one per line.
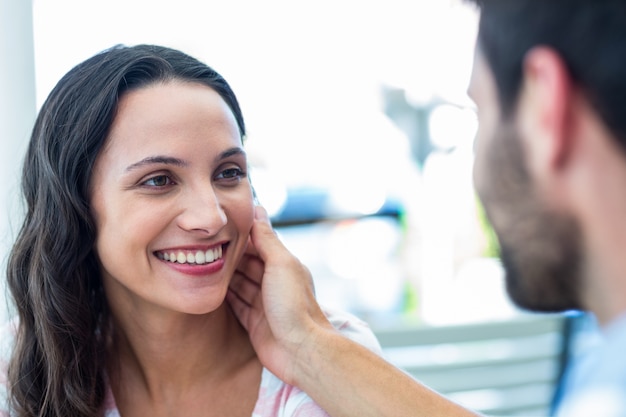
x=314, y=353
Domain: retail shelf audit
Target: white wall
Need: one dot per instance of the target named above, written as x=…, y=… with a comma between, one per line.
x=17, y=114
x=308, y=76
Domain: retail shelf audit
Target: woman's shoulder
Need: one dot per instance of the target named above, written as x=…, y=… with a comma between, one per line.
x=277, y=398
x=353, y=328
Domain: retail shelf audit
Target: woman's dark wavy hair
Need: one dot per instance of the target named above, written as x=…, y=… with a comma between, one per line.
x=57, y=367
x=589, y=35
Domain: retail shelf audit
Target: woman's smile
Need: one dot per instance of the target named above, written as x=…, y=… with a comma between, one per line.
x=194, y=257
x=195, y=262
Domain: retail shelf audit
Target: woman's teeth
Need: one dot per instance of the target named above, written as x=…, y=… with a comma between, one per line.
x=197, y=257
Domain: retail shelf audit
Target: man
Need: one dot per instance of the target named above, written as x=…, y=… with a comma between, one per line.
x=549, y=82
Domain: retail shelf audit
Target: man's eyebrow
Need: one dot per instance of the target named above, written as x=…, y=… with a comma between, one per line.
x=158, y=159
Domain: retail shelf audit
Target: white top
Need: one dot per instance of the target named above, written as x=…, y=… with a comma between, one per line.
x=275, y=399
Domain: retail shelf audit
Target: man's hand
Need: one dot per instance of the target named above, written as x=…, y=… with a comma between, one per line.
x=273, y=296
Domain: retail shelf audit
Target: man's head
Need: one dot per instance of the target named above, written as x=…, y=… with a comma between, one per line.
x=588, y=35
x=547, y=75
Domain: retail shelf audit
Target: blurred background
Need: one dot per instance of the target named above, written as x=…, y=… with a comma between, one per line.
x=360, y=132
x=360, y=139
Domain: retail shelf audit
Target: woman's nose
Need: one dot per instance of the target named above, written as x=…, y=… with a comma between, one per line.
x=202, y=211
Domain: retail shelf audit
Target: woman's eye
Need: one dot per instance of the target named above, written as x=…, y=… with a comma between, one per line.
x=158, y=181
x=231, y=173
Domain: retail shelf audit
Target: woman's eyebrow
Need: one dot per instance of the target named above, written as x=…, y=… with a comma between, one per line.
x=231, y=152
x=169, y=160
x=158, y=159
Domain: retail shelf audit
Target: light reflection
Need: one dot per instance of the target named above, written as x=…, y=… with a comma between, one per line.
x=450, y=126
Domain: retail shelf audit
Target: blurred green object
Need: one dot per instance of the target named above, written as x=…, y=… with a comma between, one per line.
x=410, y=302
x=492, y=247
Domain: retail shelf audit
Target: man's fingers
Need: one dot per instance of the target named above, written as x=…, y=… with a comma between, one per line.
x=264, y=238
x=252, y=267
x=248, y=291
x=240, y=309
x=244, y=297
x=250, y=249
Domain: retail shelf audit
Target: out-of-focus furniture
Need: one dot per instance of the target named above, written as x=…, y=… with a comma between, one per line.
x=500, y=368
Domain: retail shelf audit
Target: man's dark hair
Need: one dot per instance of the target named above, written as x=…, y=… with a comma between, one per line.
x=589, y=35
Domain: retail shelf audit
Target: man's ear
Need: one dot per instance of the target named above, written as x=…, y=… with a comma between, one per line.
x=545, y=109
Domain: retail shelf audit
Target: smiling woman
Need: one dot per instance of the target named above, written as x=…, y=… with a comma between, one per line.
x=174, y=200
x=139, y=213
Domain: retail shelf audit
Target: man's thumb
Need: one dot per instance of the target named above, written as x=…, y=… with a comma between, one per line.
x=263, y=236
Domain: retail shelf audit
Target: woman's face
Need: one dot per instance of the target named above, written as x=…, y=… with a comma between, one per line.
x=171, y=199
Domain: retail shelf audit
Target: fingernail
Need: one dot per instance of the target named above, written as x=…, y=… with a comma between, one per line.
x=261, y=214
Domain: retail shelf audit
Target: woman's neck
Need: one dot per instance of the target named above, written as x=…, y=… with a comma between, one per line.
x=170, y=354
